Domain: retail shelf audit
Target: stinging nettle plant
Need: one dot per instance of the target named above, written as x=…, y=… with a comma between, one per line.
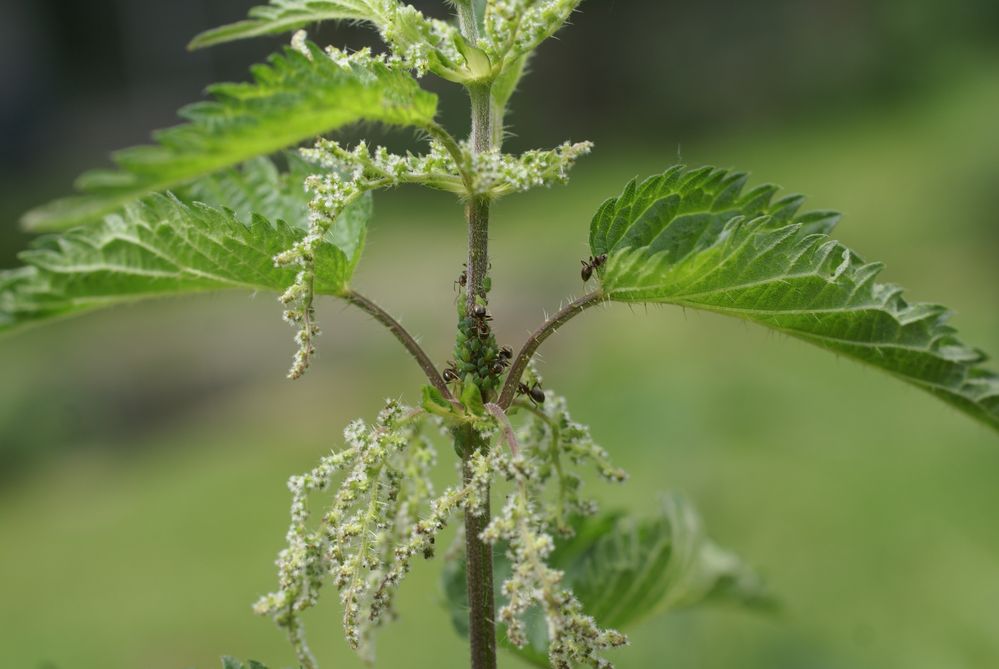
x=547, y=576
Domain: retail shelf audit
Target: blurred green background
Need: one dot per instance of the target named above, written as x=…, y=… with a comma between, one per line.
x=143, y=451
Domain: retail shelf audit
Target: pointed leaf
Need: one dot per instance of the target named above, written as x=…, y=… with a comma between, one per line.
x=695, y=238
x=282, y=16
x=158, y=247
x=292, y=99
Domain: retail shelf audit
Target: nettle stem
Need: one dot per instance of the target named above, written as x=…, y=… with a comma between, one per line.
x=478, y=554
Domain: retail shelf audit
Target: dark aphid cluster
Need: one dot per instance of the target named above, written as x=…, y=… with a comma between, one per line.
x=591, y=265
x=477, y=356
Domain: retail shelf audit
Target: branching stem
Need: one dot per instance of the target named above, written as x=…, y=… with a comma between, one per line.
x=547, y=329
x=407, y=340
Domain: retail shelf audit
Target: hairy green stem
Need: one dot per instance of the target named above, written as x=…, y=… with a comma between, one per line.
x=547, y=329
x=467, y=21
x=407, y=340
x=478, y=554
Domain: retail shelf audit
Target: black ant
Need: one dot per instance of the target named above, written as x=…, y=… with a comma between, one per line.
x=534, y=393
x=499, y=365
x=451, y=373
x=502, y=360
x=482, y=318
x=592, y=264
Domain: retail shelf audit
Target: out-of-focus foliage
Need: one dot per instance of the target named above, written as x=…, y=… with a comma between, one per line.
x=626, y=570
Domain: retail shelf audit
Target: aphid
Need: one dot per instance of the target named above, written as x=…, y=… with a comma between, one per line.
x=534, y=393
x=592, y=264
x=451, y=372
x=462, y=279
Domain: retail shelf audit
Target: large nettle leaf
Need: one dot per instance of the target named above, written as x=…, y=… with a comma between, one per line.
x=694, y=238
x=259, y=186
x=625, y=570
x=282, y=16
x=292, y=99
x=163, y=246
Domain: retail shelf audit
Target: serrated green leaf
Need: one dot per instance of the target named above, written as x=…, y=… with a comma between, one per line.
x=159, y=247
x=291, y=99
x=695, y=238
x=625, y=570
x=259, y=187
x=281, y=16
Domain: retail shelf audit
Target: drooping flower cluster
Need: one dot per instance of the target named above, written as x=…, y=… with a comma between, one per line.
x=573, y=637
x=384, y=513
x=515, y=27
x=332, y=194
x=385, y=463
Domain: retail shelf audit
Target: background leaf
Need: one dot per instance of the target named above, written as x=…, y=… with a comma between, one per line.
x=292, y=99
x=695, y=239
x=625, y=570
x=233, y=663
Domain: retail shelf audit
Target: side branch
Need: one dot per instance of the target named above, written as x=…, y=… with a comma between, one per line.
x=406, y=339
x=530, y=347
